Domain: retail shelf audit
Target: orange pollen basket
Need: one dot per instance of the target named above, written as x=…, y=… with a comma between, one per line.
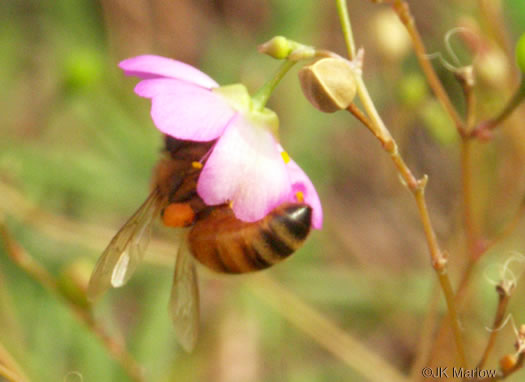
x=197, y=165
x=178, y=215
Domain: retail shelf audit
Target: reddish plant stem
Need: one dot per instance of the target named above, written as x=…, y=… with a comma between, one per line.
x=482, y=130
x=439, y=259
x=403, y=11
x=503, y=302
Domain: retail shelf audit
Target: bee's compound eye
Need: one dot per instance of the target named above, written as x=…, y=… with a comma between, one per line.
x=178, y=215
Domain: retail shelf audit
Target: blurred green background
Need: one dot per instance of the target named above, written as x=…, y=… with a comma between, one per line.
x=77, y=148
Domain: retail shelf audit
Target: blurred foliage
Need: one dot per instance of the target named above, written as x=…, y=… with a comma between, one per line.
x=77, y=148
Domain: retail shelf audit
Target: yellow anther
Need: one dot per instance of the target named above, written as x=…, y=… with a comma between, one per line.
x=299, y=196
x=196, y=165
x=286, y=157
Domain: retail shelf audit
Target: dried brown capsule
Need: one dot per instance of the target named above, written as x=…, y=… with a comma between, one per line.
x=329, y=84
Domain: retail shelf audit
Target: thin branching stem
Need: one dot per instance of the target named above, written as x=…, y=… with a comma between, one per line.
x=517, y=366
x=417, y=188
x=403, y=11
x=360, y=116
x=507, y=230
x=26, y=262
x=465, y=77
x=502, y=375
x=344, y=20
x=499, y=317
x=509, y=227
x=484, y=127
x=466, y=182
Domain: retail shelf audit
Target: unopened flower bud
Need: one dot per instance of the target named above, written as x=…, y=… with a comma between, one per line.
x=278, y=47
x=281, y=48
x=329, y=84
x=507, y=362
x=520, y=53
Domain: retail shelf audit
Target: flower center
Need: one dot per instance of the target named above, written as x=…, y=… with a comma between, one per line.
x=239, y=99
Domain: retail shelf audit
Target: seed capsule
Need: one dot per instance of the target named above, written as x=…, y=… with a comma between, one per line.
x=507, y=362
x=329, y=84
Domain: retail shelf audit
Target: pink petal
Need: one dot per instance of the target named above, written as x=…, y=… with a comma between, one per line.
x=150, y=66
x=245, y=168
x=185, y=111
x=301, y=182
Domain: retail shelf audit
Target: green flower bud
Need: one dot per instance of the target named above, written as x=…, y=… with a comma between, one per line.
x=281, y=48
x=329, y=84
x=278, y=47
x=520, y=53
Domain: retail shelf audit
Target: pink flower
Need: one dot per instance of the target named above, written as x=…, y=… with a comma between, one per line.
x=247, y=167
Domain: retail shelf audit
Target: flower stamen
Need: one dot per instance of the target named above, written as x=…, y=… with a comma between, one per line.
x=299, y=196
x=285, y=156
x=197, y=165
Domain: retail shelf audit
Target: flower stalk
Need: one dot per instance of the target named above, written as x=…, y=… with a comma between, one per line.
x=344, y=20
x=416, y=186
x=260, y=98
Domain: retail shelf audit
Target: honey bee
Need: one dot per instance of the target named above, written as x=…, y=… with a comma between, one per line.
x=214, y=236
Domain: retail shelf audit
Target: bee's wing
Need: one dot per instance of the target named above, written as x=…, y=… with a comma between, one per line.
x=184, y=299
x=122, y=255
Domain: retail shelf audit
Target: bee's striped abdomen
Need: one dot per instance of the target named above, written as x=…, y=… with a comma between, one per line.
x=226, y=244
